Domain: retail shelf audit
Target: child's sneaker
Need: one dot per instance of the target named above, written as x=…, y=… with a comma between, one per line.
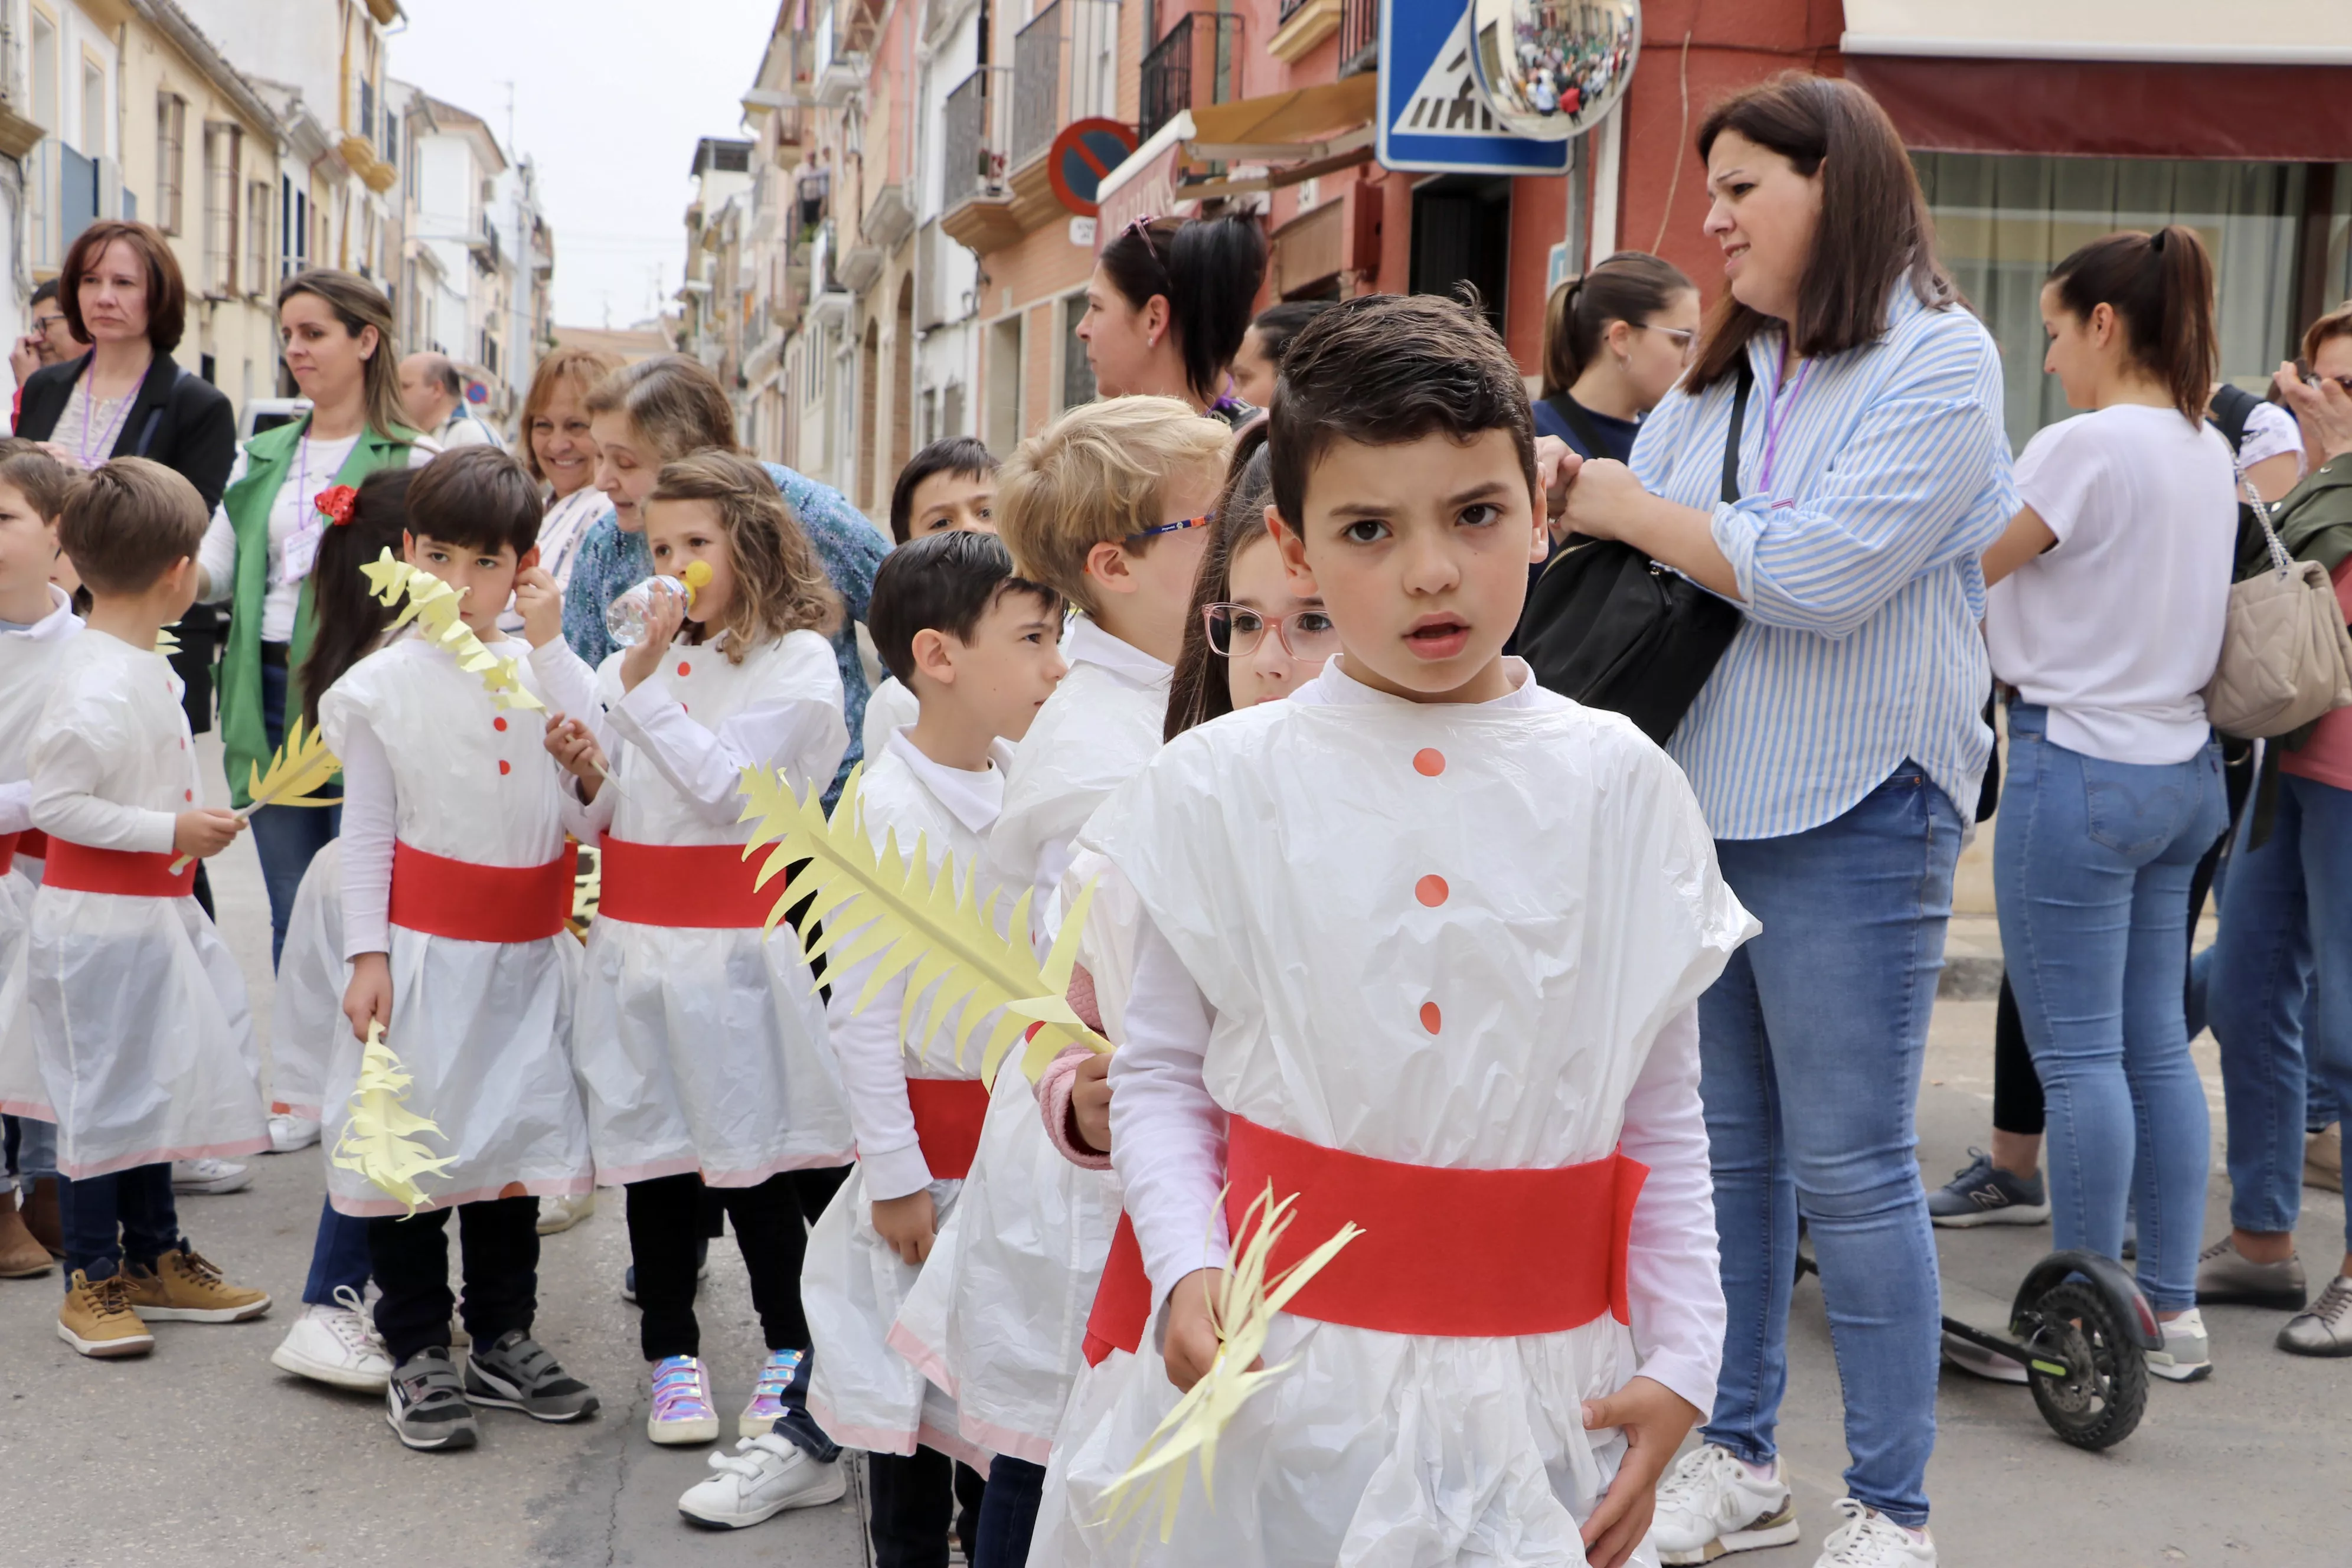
x=682, y=1409
x=2188, y=1354
x=517, y=1374
x=98, y=1320
x=559, y=1214
x=1984, y=1193
x=334, y=1343
x=768, y=1393
x=184, y=1288
x=290, y=1132
x=764, y=1477
x=425, y=1406
x=1710, y=1503
x=209, y=1177
x=1868, y=1538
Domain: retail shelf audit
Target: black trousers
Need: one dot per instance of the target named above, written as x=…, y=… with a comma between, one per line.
x=917, y=1499
x=668, y=1219
x=498, y=1243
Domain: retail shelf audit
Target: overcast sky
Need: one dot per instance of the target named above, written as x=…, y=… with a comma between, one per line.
x=609, y=97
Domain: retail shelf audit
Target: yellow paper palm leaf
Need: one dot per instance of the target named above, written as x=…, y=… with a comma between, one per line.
x=378, y=1142
x=300, y=766
x=930, y=927
x=433, y=605
x=1244, y=1316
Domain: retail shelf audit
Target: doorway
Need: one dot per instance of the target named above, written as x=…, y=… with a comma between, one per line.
x=1461, y=234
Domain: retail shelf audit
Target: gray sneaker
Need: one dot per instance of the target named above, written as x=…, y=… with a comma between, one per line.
x=2324, y=1328
x=517, y=1374
x=2226, y=1277
x=1985, y=1194
x=425, y=1406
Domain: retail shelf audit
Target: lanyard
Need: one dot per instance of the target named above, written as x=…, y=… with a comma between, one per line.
x=1772, y=425
x=85, y=450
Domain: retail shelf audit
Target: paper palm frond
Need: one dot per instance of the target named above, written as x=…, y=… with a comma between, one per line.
x=300, y=766
x=890, y=907
x=433, y=605
x=377, y=1143
x=1245, y=1315
x=165, y=643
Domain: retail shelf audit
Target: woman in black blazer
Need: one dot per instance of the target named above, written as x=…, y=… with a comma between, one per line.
x=122, y=294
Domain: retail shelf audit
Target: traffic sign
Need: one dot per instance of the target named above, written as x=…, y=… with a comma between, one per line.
x=1432, y=114
x=1081, y=156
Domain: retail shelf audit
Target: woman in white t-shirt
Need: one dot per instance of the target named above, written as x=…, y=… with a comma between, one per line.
x=2111, y=585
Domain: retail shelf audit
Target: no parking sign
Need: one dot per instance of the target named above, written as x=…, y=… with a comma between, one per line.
x=1081, y=156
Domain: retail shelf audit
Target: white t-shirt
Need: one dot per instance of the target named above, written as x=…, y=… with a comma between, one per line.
x=313, y=469
x=2116, y=628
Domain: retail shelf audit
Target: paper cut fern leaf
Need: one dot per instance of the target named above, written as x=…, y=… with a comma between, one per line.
x=300, y=766
x=378, y=1142
x=433, y=605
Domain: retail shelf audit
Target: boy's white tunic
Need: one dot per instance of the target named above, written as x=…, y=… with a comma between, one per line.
x=28, y=664
x=138, y=1013
x=482, y=1028
x=702, y=1048
x=306, y=1017
x=864, y=1392
x=1292, y=947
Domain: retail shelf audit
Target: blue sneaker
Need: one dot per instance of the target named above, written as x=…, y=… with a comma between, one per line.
x=1985, y=1194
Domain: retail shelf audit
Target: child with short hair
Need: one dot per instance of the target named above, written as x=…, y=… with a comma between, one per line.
x=979, y=648
x=949, y=486
x=138, y=1016
x=457, y=881
x=700, y=1045
x=1425, y=929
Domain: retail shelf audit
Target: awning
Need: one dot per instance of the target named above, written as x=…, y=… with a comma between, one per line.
x=2194, y=32
x=1266, y=143
x=1304, y=124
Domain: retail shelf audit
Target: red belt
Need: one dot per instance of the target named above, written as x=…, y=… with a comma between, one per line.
x=1461, y=1254
x=8, y=850
x=33, y=844
x=442, y=897
x=948, y=1114
x=85, y=869
x=705, y=886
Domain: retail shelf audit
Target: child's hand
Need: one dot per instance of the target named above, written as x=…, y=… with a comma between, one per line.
x=540, y=604
x=574, y=748
x=203, y=833
x=1193, y=1338
x=368, y=998
x=666, y=614
x=1090, y=1101
x=1655, y=1420
x=908, y=1226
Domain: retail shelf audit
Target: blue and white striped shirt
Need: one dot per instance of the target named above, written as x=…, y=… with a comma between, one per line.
x=1858, y=566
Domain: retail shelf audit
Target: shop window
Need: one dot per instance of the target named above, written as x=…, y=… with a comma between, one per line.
x=1461, y=234
x=1077, y=374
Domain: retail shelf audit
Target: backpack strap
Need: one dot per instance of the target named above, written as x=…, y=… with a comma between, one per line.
x=2232, y=407
x=1573, y=415
x=1731, y=438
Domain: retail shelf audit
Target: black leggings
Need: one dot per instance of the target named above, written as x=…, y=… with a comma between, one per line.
x=915, y=1503
x=668, y=1219
x=498, y=1250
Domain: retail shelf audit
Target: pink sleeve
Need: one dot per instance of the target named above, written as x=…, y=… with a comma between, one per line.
x=1061, y=1123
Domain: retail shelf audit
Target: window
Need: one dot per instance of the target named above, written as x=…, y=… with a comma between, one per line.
x=223, y=154
x=93, y=109
x=295, y=226
x=44, y=72
x=1077, y=374
x=257, y=237
x=170, y=137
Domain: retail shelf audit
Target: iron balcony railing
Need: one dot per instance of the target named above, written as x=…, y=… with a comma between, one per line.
x=1196, y=63
x=968, y=168
x=1360, y=36
x=1036, y=84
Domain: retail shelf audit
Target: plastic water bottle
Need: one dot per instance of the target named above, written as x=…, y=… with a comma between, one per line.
x=626, y=617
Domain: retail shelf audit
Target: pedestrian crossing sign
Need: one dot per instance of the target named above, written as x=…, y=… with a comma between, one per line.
x=1432, y=115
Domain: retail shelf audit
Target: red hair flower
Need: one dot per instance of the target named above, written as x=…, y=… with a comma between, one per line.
x=335, y=505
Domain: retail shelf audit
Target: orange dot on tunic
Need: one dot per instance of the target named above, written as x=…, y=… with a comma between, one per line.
x=684, y=668
x=1429, y=762
x=498, y=724
x=505, y=766
x=1431, y=890
x=1429, y=1017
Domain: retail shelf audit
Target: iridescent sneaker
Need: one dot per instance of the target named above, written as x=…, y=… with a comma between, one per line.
x=682, y=1411
x=768, y=1393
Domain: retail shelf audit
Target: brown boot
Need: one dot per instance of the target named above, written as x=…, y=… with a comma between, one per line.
x=99, y=1320
x=184, y=1288
x=40, y=1211
x=21, y=1257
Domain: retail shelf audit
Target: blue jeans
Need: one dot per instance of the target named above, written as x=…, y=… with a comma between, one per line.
x=1008, y=1512
x=2281, y=1000
x=1810, y=1047
x=105, y=1219
x=37, y=1150
x=286, y=836
x=2090, y=876
x=338, y=1257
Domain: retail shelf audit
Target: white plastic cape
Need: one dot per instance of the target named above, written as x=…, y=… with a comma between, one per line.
x=703, y=1049
x=306, y=1018
x=484, y=1028
x=137, y=1012
x=1280, y=851
x=28, y=664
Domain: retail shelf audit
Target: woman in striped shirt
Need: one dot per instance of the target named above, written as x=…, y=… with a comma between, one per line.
x=1831, y=751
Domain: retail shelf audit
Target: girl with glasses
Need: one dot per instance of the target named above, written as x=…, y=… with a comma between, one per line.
x=1615, y=341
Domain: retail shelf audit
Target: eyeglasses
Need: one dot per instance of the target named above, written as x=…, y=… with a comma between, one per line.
x=43, y=323
x=1685, y=339
x=1235, y=631
x=1179, y=526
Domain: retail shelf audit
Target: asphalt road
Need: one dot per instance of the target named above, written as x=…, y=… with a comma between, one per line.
x=204, y=1454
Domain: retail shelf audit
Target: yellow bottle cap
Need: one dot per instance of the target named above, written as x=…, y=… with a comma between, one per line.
x=696, y=576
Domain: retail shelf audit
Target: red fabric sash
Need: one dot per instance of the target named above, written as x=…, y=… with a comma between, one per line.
x=85, y=869
x=703, y=886
x=8, y=851
x=948, y=1114
x=33, y=844
x=441, y=897
x=1462, y=1253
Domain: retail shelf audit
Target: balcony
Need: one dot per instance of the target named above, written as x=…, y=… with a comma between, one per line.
x=1360, y=36
x=977, y=205
x=1304, y=25
x=1036, y=85
x=1196, y=63
x=890, y=217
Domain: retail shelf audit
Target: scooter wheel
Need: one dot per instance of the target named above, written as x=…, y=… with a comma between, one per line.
x=2098, y=1404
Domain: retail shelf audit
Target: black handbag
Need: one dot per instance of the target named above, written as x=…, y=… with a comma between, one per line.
x=1607, y=627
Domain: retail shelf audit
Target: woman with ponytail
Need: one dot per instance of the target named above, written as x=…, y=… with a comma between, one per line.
x=2105, y=623
x=1615, y=341
x=1167, y=307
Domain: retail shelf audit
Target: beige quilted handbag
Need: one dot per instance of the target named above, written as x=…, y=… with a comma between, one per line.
x=2287, y=658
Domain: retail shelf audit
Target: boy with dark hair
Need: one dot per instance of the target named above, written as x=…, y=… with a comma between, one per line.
x=145, y=1050
x=456, y=886
x=950, y=484
x=1428, y=931
x=977, y=647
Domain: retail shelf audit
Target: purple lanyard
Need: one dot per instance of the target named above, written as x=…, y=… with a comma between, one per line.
x=113, y=426
x=1773, y=426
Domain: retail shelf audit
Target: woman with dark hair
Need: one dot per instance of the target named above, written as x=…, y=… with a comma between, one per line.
x=1167, y=307
x=1615, y=341
x=1259, y=360
x=1830, y=749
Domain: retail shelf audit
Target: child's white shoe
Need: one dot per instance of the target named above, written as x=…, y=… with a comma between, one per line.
x=1710, y=1504
x=1868, y=1538
x=2187, y=1354
x=764, y=1477
x=335, y=1343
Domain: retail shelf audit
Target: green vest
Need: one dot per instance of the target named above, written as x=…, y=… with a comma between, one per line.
x=268, y=468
